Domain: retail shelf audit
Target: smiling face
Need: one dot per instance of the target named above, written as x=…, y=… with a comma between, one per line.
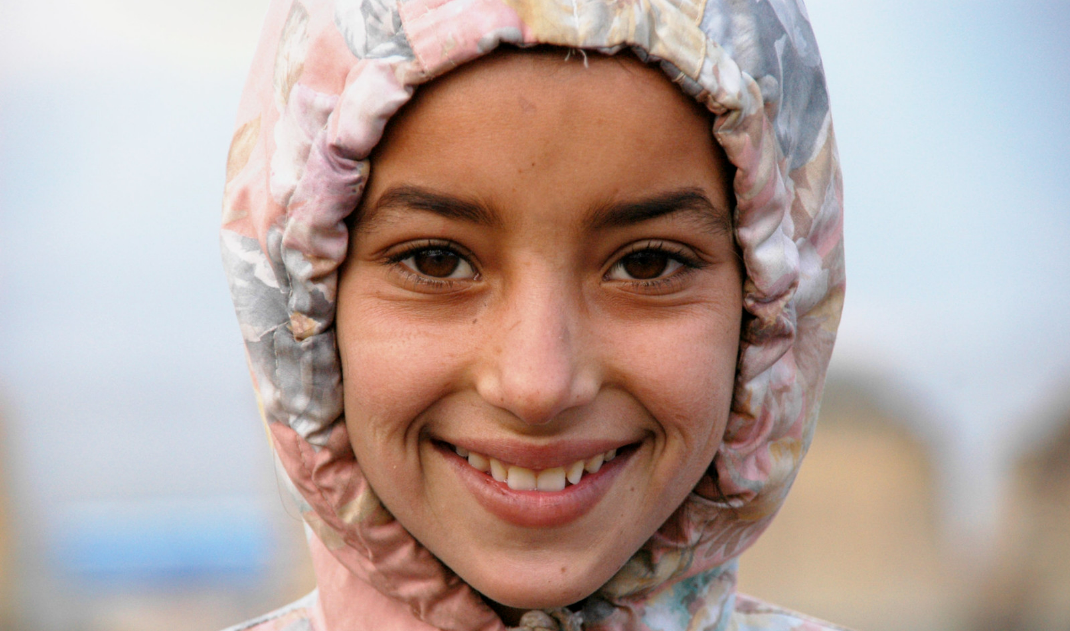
x=539, y=318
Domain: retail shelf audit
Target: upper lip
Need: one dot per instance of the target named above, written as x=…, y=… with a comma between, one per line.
x=539, y=456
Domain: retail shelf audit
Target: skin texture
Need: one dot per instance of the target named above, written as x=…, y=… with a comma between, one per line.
x=519, y=320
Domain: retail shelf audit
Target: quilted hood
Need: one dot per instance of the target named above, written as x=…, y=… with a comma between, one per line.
x=327, y=77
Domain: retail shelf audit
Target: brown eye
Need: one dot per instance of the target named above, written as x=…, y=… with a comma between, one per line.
x=436, y=263
x=645, y=264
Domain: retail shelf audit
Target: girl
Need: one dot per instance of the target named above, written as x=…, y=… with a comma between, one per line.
x=535, y=348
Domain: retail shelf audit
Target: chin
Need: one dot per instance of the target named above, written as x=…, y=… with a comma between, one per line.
x=546, y=584
x=535, y=596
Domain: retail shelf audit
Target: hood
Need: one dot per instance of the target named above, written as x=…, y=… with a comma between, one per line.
x=327, y=77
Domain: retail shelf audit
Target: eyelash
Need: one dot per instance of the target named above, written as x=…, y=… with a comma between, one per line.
x=418, y=279
x=688, y=264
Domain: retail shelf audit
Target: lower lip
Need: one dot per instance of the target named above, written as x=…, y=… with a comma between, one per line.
x=537, y=509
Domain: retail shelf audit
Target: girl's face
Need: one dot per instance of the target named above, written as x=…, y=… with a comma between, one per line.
x=539, y=318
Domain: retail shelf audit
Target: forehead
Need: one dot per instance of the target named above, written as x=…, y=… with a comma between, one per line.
x=551, y=83
x=531, y=131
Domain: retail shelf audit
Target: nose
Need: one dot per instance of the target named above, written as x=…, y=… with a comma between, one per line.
x=537, y=362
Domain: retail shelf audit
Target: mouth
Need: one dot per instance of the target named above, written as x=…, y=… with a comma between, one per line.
x=548, y=480
x=538, y=498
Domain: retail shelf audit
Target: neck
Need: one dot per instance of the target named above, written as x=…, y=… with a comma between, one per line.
x=509, y=615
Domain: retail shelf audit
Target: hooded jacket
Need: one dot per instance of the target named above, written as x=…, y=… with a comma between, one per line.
x=327, y=77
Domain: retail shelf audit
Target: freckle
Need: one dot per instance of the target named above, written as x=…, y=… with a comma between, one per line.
x=475, y=320
x=563, y=569
x=526, y=105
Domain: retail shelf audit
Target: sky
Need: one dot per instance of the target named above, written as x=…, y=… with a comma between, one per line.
x=952, y=122
x=122, y=376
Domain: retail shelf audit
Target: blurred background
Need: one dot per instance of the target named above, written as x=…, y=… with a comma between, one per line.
x=136, y=486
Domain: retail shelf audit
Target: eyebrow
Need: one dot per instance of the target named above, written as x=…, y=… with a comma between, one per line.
x=416, y=198
x=693, y=201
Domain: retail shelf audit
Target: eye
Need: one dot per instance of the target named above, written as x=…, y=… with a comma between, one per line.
x=650, y=262
x=438, y=262
x=644, y=265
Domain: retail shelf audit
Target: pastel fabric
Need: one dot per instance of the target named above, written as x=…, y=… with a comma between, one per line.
x=326, y=79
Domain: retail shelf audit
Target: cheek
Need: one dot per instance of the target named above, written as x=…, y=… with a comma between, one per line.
x=394, y=369
x=682, y=370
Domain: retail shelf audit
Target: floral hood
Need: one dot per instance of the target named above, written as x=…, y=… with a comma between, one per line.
x=327, y=77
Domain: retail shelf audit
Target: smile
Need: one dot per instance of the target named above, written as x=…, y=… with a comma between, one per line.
x=523, y=479
x=546, y=493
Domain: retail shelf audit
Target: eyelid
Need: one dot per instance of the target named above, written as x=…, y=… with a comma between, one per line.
x=417, y=281
x=407, y=249
x=689, y=262
x=682, y=253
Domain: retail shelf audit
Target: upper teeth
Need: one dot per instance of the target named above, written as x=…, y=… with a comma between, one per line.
x=522, y=479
